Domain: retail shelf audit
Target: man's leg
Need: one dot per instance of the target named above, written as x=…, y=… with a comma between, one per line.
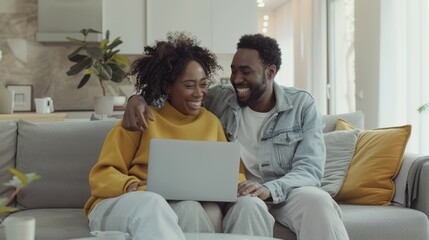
x=248, y=216
x=144, y=215
x=192, y=216
x=312, y=214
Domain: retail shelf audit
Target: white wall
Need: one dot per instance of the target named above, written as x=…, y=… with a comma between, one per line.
x=367, y=44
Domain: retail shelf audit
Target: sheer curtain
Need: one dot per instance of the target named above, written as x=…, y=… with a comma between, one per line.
x=404, y=68
x=302, y=34
x=341, y=56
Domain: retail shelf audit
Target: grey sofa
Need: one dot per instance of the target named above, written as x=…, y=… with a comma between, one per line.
x=64, y=152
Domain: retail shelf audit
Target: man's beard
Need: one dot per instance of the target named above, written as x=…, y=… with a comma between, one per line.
x=257, y=91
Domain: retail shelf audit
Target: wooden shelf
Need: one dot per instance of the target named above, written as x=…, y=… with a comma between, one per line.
x=35, y=117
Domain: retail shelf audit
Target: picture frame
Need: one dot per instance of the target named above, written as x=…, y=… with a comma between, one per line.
x=23, y=96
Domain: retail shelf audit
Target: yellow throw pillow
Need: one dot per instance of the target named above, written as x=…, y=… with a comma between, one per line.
x=376, y=162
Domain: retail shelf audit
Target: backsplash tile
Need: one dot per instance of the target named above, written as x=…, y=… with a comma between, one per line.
x=43, y=65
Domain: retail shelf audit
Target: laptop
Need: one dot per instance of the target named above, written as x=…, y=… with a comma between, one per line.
x=194, y=170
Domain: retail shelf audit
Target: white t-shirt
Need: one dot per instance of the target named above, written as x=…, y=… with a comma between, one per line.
x=248, y=136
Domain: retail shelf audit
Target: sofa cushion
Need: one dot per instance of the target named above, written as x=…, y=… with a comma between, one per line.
x=62, y=153
x=355, y=118
x=340, y=146
x=376, y=162
x=384, y=222
x=7, y=156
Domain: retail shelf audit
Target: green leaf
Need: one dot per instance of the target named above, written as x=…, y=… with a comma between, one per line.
x=423, y=108
x=76, y=41
x=78, y=67
x=121, y=60
x=104, y=71
x=115, y=43
x=95, y=52
x=84, y=80
x=21, y=176
x=75, y=52
x=7, y=209
x=77, y=58
x=104, y=43
x=118, y=74
x=32, y=177
x=87, y=31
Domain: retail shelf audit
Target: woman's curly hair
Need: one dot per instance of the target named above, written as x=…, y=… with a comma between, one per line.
x=165, y=61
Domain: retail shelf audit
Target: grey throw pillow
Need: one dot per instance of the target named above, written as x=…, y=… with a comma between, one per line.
x=340, y=147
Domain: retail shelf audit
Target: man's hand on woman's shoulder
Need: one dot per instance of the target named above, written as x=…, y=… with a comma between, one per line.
x=135, y=111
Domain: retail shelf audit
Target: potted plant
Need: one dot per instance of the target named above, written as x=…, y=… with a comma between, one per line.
x=99, y=59
x=19, y=181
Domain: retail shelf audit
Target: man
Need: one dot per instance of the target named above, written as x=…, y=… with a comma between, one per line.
x=283, y=149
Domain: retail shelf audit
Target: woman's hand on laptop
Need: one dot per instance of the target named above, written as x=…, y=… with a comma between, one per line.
x=136, y=109
x=253, y=189
x=134, y=186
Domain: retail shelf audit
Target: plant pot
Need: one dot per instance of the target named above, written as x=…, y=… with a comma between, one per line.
x=103, y=105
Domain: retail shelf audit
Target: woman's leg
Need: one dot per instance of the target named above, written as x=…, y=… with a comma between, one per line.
x=144, y=215
x=192, y=216
x=248, y=216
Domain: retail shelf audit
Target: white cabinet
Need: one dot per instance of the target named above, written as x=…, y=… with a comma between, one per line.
x=58, y=19
x=231, y=19
x=126, y=19
x=218, y=24
x=192, y=16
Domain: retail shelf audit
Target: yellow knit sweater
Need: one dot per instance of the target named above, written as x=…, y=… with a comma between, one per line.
x=124, y=157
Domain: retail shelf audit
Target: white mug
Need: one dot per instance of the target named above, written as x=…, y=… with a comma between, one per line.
x=110, y=235
x=44, y=105
x=20, y=228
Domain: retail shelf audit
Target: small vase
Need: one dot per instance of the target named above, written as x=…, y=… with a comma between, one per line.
x=103, y=105
x=6, y=100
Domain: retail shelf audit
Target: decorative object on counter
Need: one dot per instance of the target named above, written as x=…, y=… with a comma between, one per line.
x=20, y=227
x=6, y=97
x=103, y=105
x=23, y=95
x=100, y=59
x=6, y=100
x=44, y=105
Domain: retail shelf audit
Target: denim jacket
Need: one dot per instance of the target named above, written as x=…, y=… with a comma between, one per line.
x=291, y=148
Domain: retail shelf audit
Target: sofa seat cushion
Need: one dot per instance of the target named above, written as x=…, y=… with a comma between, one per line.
x=54, y=224
x=384, y=222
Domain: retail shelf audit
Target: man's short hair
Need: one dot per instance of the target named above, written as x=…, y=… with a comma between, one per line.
x=268, y=48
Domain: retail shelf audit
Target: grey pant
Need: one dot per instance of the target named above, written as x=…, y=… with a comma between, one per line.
x=308, y=211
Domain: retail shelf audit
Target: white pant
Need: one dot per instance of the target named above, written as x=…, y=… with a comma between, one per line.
x=308, y=211
x=144, y=215
x=197, y=216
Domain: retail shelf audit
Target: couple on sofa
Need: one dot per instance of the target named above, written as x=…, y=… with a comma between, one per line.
x=279, y=129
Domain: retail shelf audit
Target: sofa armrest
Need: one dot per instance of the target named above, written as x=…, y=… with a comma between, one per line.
x=418, y=184
x=401, y=180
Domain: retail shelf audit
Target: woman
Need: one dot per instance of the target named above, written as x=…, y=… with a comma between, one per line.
x=175, y=75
